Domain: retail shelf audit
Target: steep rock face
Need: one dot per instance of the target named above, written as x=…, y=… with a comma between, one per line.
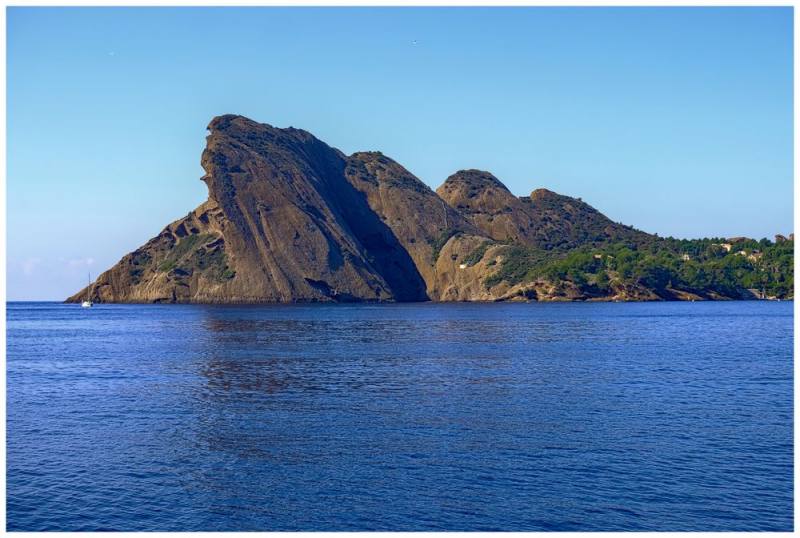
x=291, y=228
x=462, y=268
x=295, y=219
x=419, y=220
x=544, y=219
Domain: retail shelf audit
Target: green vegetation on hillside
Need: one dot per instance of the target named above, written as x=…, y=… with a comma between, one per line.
x=741, y=269
x=477, y=255
x=204, y=256
x=183, y=247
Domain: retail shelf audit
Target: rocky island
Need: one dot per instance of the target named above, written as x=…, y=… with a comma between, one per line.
x=291, y=219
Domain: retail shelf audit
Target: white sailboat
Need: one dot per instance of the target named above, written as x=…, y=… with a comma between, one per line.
x=88, y=302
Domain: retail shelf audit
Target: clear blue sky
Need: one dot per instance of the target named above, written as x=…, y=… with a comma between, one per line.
x=677, y=121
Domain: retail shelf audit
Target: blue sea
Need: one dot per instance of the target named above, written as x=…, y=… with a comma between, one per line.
x=491, y=417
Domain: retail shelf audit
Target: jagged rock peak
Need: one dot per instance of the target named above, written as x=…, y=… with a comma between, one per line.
x=374, y=166
x=472, y=179
x=250, y=132
x=542, y=193
x=477, y=191
x=226, y=121
x=234, y=122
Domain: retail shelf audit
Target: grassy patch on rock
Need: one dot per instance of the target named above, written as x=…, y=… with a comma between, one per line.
x=477, y=254
x=441, y=240
x=199, y=252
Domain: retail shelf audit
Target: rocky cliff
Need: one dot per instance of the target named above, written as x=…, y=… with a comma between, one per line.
x=281, y=224
x=544, y=219
x=289, y=218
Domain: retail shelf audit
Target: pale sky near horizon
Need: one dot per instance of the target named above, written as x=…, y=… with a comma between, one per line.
x=677, y=121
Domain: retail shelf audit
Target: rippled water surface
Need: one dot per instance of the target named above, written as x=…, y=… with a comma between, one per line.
x=672, y=416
